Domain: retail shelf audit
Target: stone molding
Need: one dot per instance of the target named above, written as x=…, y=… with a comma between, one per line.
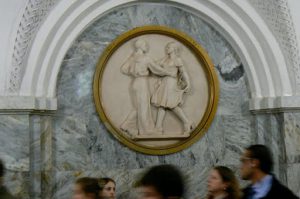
x=21, y=103
x=280, y=104
x=258, y=48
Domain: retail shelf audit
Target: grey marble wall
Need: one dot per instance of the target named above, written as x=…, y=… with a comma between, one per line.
x=14, y=152
x=72, y=142
x=292, y=147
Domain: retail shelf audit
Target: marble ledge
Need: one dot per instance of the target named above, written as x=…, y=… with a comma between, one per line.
x=30, y=103
x=26, y=103
x=274, y=104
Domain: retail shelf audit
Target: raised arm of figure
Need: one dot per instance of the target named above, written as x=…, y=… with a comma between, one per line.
x=156, y=69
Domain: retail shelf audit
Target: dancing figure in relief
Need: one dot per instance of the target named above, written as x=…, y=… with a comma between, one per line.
x=139, y=66
x=171, y=88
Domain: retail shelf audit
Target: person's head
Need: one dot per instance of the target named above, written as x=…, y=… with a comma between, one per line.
x=107, y=188
x=172, y=47
x=161, y=182
x=256, y=158
x=1, y=172
x=86, y=188
x=222, y=180
x=142, y=45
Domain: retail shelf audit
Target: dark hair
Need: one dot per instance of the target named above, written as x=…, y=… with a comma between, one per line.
x=103, y=181
x=263, y=154
x=227, y=175
x=89, y=186
x=1, y=169
x=166, y=179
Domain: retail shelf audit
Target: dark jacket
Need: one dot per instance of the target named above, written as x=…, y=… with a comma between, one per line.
x=277, y=191
x=4, y=193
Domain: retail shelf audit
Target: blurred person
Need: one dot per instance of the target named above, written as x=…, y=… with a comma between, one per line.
x=161, y=182
x=222, y=184
x=256, y=166
x=107, y=188
x=4, y=193
x=86, y=188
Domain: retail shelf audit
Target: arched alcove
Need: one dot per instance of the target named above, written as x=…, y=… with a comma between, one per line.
x=238, y=22
x=82, y=143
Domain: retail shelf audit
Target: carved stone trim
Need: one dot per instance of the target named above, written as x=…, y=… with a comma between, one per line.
x=21, y=103
x=280, y=104
x=34, y=13
x=278, y=17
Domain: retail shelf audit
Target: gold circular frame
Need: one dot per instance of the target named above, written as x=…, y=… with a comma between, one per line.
x=203, y=58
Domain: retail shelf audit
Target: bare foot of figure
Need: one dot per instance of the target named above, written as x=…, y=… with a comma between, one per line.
x=188, y=126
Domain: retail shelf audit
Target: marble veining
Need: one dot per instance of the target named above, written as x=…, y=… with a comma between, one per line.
x=292, y=136
x=18, y=183
x=293, y=175
x=14, y=152
x=14, y=142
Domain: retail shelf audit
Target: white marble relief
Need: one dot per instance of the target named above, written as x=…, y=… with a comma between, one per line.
x=172, y=83
x=150, y=87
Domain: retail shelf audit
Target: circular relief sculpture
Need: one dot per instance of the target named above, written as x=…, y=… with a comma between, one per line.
x=156, y=90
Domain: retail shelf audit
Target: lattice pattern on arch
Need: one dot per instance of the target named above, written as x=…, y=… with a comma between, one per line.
x=277, y=15
x=34, y=14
